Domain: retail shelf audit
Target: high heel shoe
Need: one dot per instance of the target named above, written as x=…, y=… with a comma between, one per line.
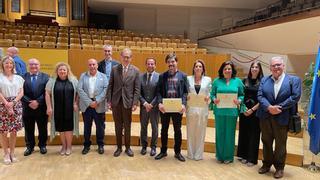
x=13, y=158
x=6, y=159
x=62, y=152
x=68, y=152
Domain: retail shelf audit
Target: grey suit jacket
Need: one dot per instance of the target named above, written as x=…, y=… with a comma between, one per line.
x=148, y=92
x=127, y=88
x=99, y=91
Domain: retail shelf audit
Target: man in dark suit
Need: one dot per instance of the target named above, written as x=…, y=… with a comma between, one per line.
x=172, y=84
x=106, y=65
x=123, y=97
x=149, y=107
x=277, y=94
x=34, y=107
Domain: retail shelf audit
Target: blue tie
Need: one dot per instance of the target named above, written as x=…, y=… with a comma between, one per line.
x=33, y=81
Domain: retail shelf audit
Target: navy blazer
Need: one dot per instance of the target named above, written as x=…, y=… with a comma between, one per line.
x=289, y=94
x=182, y=85
x=102, y=65
x=38, y=94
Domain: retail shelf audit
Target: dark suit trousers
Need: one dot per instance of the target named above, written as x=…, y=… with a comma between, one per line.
x=271, y=131
x=176, y=120
x=29, y=120
x=122, y=119
x=99, y=119
x=145, y=116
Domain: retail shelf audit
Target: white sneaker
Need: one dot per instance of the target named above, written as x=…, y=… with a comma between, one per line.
x=13, y=158
x=6, y=159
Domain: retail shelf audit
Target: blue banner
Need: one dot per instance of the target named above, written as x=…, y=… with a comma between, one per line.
x=314, y=110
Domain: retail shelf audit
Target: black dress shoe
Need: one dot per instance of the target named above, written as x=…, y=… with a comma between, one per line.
x=100, y=150
x=264, y=170
x=160, y=156
x=85, y=150
x=27, y=152
x=143, y=151
x=153, y=151
x=129, y=152
x=117, y=152
x=179, y=157
x=43, y=150
x=278, y=174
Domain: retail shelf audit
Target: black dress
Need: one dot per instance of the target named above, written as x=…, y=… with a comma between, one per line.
x=63, y=105
x=249, y=130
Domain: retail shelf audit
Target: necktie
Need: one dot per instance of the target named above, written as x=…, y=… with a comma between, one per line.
x=149, y=78
x=33, y=81
x=124, y=72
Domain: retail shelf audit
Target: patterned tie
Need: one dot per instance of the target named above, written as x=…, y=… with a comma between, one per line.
x=33, y=81
x=124, y=72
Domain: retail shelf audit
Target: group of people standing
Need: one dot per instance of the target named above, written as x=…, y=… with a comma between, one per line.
x=261, y=103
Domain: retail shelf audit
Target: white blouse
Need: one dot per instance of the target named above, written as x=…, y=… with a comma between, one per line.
x=9, y=88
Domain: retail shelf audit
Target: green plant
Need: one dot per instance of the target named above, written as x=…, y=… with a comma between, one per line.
x=307, y=87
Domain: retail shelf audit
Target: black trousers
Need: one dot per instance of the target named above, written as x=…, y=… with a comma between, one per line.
x=89, y=116
x=249, y=138
x=176, y=121
x=271, y=131
x=29, y=121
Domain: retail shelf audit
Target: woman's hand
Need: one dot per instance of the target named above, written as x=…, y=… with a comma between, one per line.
x=206, y=99
x=216, y=101
x=236, y=102
x=9, y=105
x=75, y=107
x=49, y=111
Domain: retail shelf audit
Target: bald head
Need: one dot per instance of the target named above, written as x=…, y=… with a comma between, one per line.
x=93, y=66
x=34, y=65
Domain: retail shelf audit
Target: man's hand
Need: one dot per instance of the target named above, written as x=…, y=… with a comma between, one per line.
x=206, y=99
x=33, y=104
x=148, y=107
x=274, y=110
x=93, y=104
x=134, y=107
x=183, y=109
x=109, y=105
x=161, y=108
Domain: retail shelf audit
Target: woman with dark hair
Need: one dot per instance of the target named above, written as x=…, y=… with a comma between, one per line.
x=226, y=117
x=249, y=130
x=197, y=117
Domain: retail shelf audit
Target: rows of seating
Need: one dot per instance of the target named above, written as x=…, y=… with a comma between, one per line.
x=43, y=36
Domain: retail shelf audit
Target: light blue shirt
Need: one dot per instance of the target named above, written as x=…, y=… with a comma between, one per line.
x=108, y=69
x=21, y=67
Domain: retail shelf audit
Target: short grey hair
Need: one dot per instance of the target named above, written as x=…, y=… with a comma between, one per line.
x=107, y=46
x=276, y=58
x=126, y=50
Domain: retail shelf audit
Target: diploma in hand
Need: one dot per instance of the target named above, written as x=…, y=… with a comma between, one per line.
x=226, y=100
x=197, y=100
x=172, y=104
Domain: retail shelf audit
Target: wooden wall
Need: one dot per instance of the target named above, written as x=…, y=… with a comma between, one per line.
x=78, y=61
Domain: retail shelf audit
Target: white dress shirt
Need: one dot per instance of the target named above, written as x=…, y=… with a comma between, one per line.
x=277, y=84
x=92, y=83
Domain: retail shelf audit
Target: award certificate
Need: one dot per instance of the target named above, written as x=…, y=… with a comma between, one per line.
x=172, y=104
x=197, y=100
x=226, y=100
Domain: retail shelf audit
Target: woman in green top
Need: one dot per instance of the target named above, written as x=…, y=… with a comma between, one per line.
x=226, y=118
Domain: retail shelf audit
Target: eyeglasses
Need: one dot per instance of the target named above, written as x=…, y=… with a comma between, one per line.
x=276, y=65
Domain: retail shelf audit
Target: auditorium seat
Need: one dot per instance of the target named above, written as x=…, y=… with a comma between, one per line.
x=97, y=41
x=95, y=36
x=166, y=40
x=27, y=31
x=119, y=43
x=182, y=45
x=21, y=43
x=192, y=45
x=162, y=44
x=52, y=33
x=85, y=36
x=61, y=34
x=14, y=31
x=41, y=33
x=168, y=50
x=86, y=41
x=1, y=35
x=146, y=39
x=75, y=31
x=62, y=45
x=157, y=50
x=63, y=39
x=106, y=37
x=75, y=46
x=5, y=42
x=98, y=46
x=136, y=38
x=34, y=44
x=151, y=44
x=141, y=44
x=180, y=50
x=130, y=43
x=117, y=38
x=126, y=38
x=75, y=40
x=87, y=46
x=172, y=45
x=37, y=38
x=48, y=45
x=135, y=49
x=74, y=35
x=10, y=36
x=156, y=40
x=146, y=50
x=110, y=42
x=120, y=48
x=201, y=51
x=191, y=50
x=175, y=41
x=50, y=39
x=63, y=31
x=185, y=41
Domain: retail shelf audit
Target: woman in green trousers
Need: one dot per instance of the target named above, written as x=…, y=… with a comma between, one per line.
x=226, y=86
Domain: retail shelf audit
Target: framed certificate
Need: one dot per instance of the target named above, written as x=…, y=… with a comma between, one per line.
x=172, y=104
x=226, y=100
x=197, y=100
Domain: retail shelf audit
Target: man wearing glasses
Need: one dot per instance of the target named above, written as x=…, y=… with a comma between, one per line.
x=277, y=95
x=106, y=65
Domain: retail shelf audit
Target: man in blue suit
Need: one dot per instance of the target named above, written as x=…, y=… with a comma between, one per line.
x=277, y=94
x=20, y=65
x=92, y=90
x=105, y=66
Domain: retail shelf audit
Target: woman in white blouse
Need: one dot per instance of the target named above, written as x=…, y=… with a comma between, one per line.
x=197, y=117
x=11, y=91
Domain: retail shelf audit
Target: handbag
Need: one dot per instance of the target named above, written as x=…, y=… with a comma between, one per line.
x=294, y=119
